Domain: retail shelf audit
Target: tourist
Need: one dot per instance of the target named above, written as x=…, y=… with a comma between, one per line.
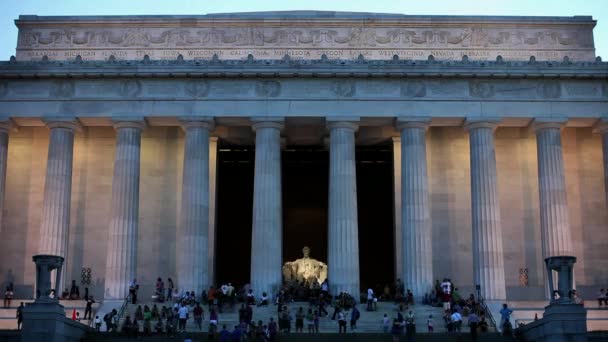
x=410, y=325
x=170, y=327
x=446, y=290
x=386, y=324
x=89, y=307
x=78, y=319
x=65, y=294
x=354, y=317
x=317, y=320
x=322, y=310
x=139, y=313
x=285, y=323
x=74, y=291
x=263, y=299
x=505, y=315
x=401, y=321
x=97, y=323
x=133, y=287
x=155, y=313
x=170, y=288
x=126, y=325
x=213, y=320
x=224, y=334
x=601, y=297
x=114, y=320
x=410, y=297
x=456, y=320
x=300, y=320
x=575, y=298
x=20, y=316
x=198, y=316
x=310, y=321
x=473, y=324
x=135, y=328
x=396, y=331
x=341, y=322
x=8, y=297
x=183, y=317
x=158, y=327
x=430, y=324
x=272, y=329
x=250, y=298
x=237, y=334
x=370, y=299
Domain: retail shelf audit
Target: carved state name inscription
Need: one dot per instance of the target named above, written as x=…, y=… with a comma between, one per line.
x=477, y=42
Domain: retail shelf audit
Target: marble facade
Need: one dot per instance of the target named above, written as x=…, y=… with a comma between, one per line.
x=109, y=130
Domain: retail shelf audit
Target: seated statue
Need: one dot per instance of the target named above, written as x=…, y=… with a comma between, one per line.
x=305, y=270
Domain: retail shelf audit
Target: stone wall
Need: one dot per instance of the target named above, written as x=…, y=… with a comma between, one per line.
x=449, y=184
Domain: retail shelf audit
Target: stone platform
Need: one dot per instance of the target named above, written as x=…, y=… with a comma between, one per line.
x=8, y=320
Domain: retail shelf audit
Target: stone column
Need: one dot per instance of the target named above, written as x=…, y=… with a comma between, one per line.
x=55, y=219
x=212, y=206
x=343, y=228
x=267, y=230
x=5, y=126
x=398, y=244
x=488, y=264
x=554, y=221
x=415, y=214
x=602, y=128
x=192, y=237
x=121, y=261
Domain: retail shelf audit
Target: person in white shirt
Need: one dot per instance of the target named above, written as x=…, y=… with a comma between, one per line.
x=370, y=299
x=97, y=323
x=457, y=321
x=183, y=317
x=446, y=288
x=386, y=323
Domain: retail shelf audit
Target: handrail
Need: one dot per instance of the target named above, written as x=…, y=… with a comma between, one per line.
x=123, y=307
x=483, y=305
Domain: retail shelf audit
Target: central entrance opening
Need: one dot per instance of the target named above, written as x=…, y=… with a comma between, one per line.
x=305, y=181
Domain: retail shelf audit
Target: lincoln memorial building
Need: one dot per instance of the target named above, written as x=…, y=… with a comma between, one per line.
x=213, y=148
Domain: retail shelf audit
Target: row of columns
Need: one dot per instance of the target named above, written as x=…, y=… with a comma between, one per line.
x=343, y=254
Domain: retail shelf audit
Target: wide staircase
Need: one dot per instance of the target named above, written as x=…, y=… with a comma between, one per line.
x=525, y=312
x=8, y=316
x=369, y=322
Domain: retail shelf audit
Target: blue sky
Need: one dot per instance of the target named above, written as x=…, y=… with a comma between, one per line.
x=11, y=9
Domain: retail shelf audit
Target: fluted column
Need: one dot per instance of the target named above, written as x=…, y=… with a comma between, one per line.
x=415, y=214
x=121, y=261
x=398, y=243
x=5, y=126
x=554, y=222
x=192, y=237
x=343, y=231
x=55, y=220
x=602, y=129
x=488, y=264
x=267, y=230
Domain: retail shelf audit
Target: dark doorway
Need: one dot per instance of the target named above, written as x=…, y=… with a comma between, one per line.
x=375, y=210
x=305, y=177
x=305, y=186
x=234, y=213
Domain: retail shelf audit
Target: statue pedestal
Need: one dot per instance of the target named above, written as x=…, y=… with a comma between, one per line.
x=45, y=320
x=560, y=323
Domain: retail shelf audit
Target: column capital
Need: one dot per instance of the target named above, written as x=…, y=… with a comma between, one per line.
x=197, y=122
x=601, y=126
x=129, y=122
x=343, y=124
x=264, y=122
x=549, y=123
x=412, y=122
x=396, y=139
x=475, y=122
x=66, y=122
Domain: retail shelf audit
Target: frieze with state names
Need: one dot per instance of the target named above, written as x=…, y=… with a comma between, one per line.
x=446, y=38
